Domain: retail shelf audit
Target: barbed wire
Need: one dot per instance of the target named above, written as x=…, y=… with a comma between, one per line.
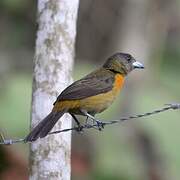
x=173, y=106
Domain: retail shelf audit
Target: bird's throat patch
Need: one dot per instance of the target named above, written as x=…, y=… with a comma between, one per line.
x=119, y=81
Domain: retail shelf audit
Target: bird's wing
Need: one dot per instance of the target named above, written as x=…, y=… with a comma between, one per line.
x=92, y=84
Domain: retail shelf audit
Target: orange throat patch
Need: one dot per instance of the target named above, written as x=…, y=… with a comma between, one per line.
x=119, y=81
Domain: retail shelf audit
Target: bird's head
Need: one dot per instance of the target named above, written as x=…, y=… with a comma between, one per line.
x=122, y=63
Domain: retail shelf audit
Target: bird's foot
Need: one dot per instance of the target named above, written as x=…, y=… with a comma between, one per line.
x=79, y=128
x=100, y=125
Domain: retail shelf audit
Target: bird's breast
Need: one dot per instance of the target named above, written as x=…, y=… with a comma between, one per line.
x=100, y=102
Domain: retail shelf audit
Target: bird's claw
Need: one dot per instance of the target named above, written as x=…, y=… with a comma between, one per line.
x=79, y=129
x=100, y=125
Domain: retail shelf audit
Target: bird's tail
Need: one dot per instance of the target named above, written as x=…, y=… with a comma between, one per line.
x=44, y=127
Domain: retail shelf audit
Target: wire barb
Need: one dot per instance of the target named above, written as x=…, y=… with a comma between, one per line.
x=172, y=106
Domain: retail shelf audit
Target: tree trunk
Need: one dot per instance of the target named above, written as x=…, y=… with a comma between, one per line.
x=53, y=62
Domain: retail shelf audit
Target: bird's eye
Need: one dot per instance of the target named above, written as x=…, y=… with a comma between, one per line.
x=128, y=58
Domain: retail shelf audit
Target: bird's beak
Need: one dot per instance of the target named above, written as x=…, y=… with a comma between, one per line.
x=138, y=65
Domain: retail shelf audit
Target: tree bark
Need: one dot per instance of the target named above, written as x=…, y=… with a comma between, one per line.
x=53, y=62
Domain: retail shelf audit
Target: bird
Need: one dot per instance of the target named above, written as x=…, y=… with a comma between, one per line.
x=90, y=95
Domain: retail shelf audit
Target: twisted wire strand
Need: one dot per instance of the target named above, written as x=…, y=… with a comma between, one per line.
x=173, y=106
